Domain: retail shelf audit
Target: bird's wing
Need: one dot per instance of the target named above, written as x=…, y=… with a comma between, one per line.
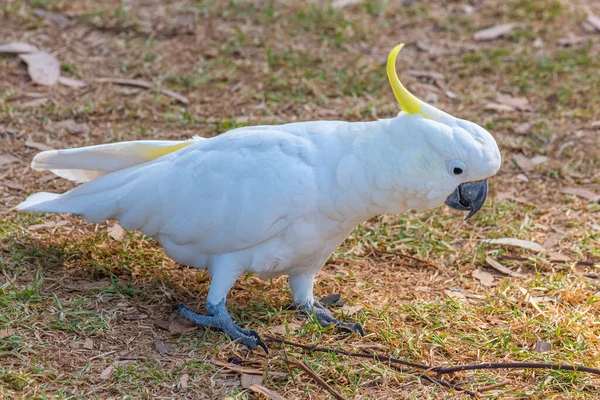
x=219, y=195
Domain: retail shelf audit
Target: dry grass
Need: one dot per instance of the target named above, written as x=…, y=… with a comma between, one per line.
x=73, y=301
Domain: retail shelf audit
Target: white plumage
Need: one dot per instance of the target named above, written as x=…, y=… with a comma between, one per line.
x=271, y=200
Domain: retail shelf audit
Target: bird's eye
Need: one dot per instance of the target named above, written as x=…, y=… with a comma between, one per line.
x=456, y=167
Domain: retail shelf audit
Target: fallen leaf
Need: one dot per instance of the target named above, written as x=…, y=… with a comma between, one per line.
x=161, y=347
x=179, y=325
x=38, y=146
x=8, y=159
x=456, y=295
x=523, y=128
x=18, y=48
x=145, y=85
x=594, y=21
x=501, y=268
x=56, y=18
x=484, y=277
x=283, y=329
x=270, y=394
x=89, y=285
x=541, y=346
x=88, y=344
x=7, y=332
x=70, y=126
x=33, y=103
x=47, y=225
x=248, y=379
x=115, y=231
x=522, y=177
x=139, y=316
x=519, y=103
x=529, y=164
x=531, y=300
x=107, y=372
x=13, y=185
x=538, y=43
x=351, y=310
x=581, y=192
x=332, y=300
x=425, y=74
x=183, y=381
x=498, y=107
x=553, y=240
x=43, y=68
x=526, y=244
x=495, y=31
x=162, y=324
x=70, y=82
x=501, y=196
x=595, y=125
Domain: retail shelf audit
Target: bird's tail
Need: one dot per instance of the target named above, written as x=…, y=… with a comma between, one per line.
x=88, y=163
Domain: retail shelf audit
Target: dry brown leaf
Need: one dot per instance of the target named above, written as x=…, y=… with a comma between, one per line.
x=529, y=164
x=115, y=231
x=484, y=277
x=107, y=372
x=594, y=21
x=179, y=325
x=459, y=296
x=145, y=85
x=7, y=332
x=541, y=346
x=70, y=126
x=581, y=192
x=284, y=328
x=183, y=381
x=531, y=300
x=8, y=159
x=495, y=32
x=595, y=125
x=13, y=185
x=526, y=244
x=519, y=103
x=38, y=146
x=18, y=48
x=88, y=344
x=345, y=3
x=43, y=68
x=501, y=268
x=553, y=240
x=259, y=389
x=33, y=103
x=351, y=310
x=56, y=18
x=47, y=225
x=70, y=82
x=498, y=107
x=248, y=380
x=162, y=348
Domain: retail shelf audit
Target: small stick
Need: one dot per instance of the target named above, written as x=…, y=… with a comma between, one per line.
x=318, y=379
x=554, y=367
x=449, y=385
x=493, y=386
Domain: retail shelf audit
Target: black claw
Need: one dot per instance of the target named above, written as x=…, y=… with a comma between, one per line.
x=360, y=329
x=263, y=345
x=254, y=333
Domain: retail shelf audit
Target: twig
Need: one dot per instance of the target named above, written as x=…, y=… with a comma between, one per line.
x=443, y=370
x=516, y=258
x=260, y=389
x=449, y=385
x=487, y=388
x=417, y=259
x=318, y=379
x=145, y=85
x=555, y=367
x=378, y=357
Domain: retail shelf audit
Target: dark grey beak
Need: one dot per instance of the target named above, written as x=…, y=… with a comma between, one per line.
x=468, y=196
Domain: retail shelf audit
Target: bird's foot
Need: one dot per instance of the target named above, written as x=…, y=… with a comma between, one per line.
x=325, y=317
x=220, y=319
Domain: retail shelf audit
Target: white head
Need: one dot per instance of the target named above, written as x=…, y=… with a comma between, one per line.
x=454, y=155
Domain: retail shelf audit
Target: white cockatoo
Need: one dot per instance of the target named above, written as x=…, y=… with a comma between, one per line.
x=275, y=200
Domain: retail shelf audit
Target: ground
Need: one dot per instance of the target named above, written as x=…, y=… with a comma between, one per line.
x=86, y=310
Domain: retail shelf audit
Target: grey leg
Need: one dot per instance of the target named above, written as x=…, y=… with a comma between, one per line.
x=302, y=290
x=223, y=278
x=220, y=319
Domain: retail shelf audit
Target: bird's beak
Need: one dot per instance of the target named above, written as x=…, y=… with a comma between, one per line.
x=468, y=196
